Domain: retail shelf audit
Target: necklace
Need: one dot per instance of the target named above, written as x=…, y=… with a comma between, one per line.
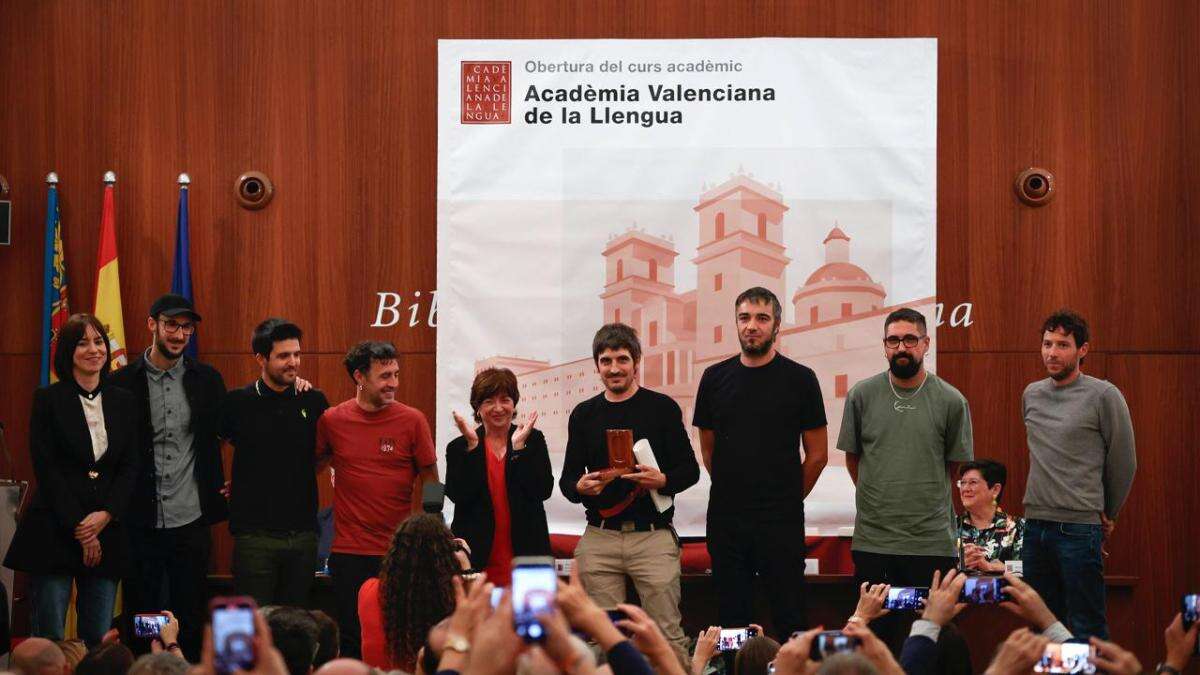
x=914, y=394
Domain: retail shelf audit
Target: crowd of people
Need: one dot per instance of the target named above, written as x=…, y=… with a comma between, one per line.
x=130, y=480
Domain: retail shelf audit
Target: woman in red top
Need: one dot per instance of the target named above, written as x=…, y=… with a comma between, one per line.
x=413, y=593
x=498, y=476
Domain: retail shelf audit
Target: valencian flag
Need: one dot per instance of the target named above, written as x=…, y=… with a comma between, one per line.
x=54, y=307
x=181, y=276
x=108, y=281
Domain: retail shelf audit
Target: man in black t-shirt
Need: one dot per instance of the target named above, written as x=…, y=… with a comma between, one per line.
x=273, y=500
x=754, y=410
x=629, y=530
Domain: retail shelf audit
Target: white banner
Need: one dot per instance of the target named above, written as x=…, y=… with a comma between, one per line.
x=650, y=181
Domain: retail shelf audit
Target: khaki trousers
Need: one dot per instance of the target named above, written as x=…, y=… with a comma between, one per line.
x=651, y=559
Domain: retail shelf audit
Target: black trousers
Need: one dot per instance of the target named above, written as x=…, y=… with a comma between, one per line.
x=349, y=573
x=741, y=550
x=171, y=572
x=897, y=570
x=275, y=568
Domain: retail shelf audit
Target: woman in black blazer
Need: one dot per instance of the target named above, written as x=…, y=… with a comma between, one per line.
x=498, y=475
x=83, y=447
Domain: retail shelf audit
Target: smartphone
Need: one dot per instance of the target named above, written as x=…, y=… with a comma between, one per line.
x=983, y=590
x=832, y=642
x=233, y=633
x=732, y=639
x=534, y=585
x=1190, y=607
x=906, y=598
x=149, y=625
x=1067, y=657
x=497, y=593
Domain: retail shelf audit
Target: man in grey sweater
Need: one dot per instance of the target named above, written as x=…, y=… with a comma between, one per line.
x=1081, y=466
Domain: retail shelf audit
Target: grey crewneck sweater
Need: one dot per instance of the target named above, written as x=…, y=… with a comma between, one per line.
x=1081, y=450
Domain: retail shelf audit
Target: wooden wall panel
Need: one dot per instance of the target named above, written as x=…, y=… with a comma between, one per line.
x=336, y=102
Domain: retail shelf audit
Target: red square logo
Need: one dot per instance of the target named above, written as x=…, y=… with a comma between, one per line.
x=486, y=92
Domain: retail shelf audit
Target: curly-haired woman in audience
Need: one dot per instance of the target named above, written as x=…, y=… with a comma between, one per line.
x=989, y=535
x=413, y=592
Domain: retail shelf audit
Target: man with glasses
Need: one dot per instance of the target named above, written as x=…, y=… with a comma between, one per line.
x=903, y=432
x=178, y=494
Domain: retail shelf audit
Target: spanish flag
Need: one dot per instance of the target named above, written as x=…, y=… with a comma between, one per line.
x=108, y=281
x=54, y=286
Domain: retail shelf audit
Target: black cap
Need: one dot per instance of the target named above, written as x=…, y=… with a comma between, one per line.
x=173, y=305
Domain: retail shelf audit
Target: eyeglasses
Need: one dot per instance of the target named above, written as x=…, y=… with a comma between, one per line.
x=910, y=341
x=969, y=483
x=172, y=326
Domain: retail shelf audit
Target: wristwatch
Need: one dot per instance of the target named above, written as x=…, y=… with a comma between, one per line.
x=460, y=644
x=1164, y=669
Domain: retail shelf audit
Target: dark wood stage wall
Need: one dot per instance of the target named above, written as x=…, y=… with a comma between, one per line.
x=336, y=102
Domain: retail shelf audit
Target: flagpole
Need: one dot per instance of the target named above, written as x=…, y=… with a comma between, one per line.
x=181, y=273
x=51, y=293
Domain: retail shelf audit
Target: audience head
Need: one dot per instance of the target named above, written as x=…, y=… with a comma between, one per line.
x=755, y=654
x=327, y=638
x=375, y=370
x=276, y=345
x=415, y=587
x=39, y=656
x=108, y=658
x=536, y=661
x=340, y=666
x=981, y=483
x=847, y=663
x=162, y=663
x=82, y=348
x=296, y=634
x=494, y=395
x=74, y=650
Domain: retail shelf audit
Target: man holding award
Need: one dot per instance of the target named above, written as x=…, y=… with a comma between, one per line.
x=627, y=455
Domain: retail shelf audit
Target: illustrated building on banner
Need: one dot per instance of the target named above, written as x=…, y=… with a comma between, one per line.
x=837, y=331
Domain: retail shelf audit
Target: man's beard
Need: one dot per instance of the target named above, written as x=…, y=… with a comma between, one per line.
x=279, y=379
x=904, y=371
x=165, y=350
x=627, y=381
x=761, y=349
x=1067, y=370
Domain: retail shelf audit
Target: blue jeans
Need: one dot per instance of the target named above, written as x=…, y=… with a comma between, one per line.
x=1063, y=563
x=50, y=594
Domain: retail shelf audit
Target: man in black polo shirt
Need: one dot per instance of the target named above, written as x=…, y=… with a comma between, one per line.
x=627, y=533
x=754, y=410
x=273, y=500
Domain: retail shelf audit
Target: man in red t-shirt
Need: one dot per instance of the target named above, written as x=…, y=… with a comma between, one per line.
x=381, y=452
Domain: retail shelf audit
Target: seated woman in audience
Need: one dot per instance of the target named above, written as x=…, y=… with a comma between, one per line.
x=989, y=535
x=414, y=591
x=82, y=442
x=498, y=474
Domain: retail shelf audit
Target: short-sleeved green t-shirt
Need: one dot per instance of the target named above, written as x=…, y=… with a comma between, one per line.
x=903, y=441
